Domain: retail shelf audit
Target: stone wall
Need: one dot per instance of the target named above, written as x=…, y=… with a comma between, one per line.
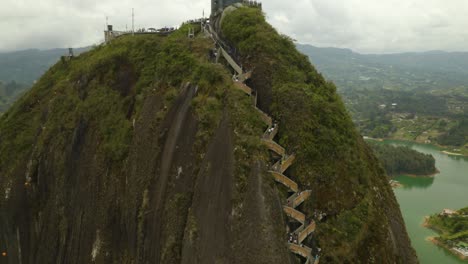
x=217, y=5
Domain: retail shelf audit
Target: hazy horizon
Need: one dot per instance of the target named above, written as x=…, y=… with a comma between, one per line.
x=297, y=43
x=365, y=26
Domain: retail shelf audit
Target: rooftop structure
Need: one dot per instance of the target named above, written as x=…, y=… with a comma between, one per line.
x=448, y=212
x=219, y=5
x=111, y=34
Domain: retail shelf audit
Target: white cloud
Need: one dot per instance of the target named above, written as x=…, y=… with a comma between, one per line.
x=363, y=25
x=375, y=26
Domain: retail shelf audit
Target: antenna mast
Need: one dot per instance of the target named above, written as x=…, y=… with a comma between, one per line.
x=133, y=22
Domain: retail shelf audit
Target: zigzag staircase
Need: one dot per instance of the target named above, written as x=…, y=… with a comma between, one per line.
x=277, y=170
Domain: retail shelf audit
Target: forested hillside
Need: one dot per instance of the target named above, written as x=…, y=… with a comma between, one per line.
x=403, y=160
x=9, y=92
x=402, y=71
x=26, y=66
x=411, y=96
x=20, y=69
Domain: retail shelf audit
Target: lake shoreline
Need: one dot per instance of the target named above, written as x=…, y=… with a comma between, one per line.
x=423, y=196
x=439, y=243
x=444, y=149
x=396, y=184
x=432, y=175
x=452, y=153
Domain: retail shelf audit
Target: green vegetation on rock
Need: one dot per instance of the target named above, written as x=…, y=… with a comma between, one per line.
x=331, y=156
x=142, y=150
x=110, y=147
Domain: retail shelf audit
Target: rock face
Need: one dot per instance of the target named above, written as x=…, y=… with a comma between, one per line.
x=142, y=151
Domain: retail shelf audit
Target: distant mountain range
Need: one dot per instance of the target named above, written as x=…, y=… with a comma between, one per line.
x=348, y=69
x=20, y=69
x=401, y=71
x=26, y=66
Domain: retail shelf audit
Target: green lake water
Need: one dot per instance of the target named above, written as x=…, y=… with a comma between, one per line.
x=420, y=197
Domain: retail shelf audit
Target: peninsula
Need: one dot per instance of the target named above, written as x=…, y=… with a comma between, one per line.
x=453, y=228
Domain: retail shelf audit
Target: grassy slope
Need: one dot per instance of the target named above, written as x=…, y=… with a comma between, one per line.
x=332, y=159
x=122, y=73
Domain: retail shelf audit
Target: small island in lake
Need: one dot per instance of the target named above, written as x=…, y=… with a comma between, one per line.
x=453, y=227
x=403, y=160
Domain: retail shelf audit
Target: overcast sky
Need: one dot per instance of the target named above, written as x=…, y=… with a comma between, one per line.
x=368, y=26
